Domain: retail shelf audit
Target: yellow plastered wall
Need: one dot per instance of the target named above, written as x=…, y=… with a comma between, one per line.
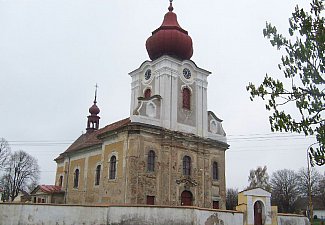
x=117, y=150
x=59, y=172
x=241, y=208
x=274, y=212
x=113, y=189
x=242, y=204
x=242, y=199
x=77, y=164
x=93, y=161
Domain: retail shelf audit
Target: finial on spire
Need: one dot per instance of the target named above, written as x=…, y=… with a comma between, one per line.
x=170, y=8
x=96, y=86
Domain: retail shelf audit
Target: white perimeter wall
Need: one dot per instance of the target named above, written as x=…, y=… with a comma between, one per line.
x=39, y=214
x=45, y=214
x=292, y=220
x=320, y=214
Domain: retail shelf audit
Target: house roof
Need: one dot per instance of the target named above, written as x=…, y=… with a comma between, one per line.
x=91, y=139
x=24, y=193
x=50, y=189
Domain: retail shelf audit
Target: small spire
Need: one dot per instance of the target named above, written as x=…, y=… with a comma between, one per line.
x=96, y=86
x=93, y=118
x=170, y=8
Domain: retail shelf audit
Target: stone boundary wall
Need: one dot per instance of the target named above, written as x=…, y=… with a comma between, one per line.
x=292, y=219
x=46, y=214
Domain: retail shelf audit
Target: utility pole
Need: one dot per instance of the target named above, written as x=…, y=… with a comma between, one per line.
x=311, y=213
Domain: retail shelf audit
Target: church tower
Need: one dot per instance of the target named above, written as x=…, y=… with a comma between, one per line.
x=170, y=91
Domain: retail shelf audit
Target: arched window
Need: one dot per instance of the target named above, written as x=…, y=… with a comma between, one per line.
x=187, y=165
x=151, y=161
x=215, y=171
x=112, y=168
x=147, y=93
x=61, y=181
x=76, y=178
x=186, y=98
x=97, y=177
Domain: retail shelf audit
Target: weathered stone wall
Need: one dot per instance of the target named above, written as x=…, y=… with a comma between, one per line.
x=133, y=182
x=28, y=214
x=167, y=181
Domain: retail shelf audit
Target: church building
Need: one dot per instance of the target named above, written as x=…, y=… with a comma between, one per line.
x=170, y=151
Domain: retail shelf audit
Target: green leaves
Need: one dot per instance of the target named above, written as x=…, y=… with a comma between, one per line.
x=303, y=67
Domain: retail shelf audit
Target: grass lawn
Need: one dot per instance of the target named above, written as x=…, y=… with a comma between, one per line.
x=318, y=222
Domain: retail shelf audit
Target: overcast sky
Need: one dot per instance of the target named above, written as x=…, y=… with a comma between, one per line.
x=53, y=52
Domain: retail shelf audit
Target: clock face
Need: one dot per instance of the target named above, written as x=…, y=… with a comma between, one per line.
x=187, y=73
x=147, y=74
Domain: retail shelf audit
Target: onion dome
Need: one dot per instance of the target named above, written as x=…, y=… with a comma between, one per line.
x=170, y=39
x=94, y=110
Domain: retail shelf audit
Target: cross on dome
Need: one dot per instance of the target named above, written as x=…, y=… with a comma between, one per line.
x=96, y=86
x=170, y=8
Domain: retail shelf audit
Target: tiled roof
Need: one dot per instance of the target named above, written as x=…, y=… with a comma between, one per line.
x=91, y=139
x=24, y=193
x=114, y=126
x=50, y=188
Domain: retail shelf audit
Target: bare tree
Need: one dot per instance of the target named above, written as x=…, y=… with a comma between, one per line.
x=4, y=152
x=303, y=182
x=21, y=171
x=285, y=190
x=259, y=178
x=231, y=198
x=321, y=189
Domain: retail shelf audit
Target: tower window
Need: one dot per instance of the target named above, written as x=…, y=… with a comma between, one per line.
x=151, y=161
x=186, y=98
x=76, y=178
x=147, y=93
x=61, y=181
x=97, y=177
x=112, y=168
x=187, y=165
x=215, y=171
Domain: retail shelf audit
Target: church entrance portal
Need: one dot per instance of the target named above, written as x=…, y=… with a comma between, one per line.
x=186, y=198
x=258, y=213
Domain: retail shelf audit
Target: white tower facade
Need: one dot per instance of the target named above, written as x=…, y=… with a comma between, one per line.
x=171, y=90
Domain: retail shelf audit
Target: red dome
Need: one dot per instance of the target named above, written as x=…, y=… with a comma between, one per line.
x=170, y=39
x=94, y=110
